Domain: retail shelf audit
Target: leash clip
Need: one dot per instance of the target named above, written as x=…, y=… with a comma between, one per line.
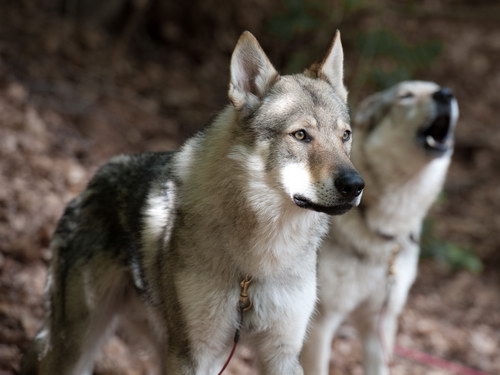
x=245, y=304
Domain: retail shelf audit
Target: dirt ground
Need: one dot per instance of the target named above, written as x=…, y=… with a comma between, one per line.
x=66, y=106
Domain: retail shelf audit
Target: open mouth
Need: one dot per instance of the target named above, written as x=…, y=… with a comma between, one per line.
x=438, y=136
x=330, y=210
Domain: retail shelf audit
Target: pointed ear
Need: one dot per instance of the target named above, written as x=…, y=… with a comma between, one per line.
x=252, y=74
x=331, y=69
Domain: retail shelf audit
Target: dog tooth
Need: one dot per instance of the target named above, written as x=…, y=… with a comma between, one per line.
x=430, y=141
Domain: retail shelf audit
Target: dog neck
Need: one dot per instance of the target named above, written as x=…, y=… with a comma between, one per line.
x=384, y=236
x=396, y=204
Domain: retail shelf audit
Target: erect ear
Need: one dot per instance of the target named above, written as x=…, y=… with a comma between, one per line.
x=252, y=74
x=331, y=69
x=371, y=111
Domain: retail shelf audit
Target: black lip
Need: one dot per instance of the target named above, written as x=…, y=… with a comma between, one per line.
x=330, y=210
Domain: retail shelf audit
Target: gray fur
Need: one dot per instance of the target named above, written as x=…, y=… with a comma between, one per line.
x=403, y=179
x=164, y=239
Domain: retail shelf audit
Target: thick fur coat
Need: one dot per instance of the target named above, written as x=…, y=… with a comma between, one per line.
x=161, y=241
x=404, y=143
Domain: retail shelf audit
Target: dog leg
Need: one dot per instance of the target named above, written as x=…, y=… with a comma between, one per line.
x=202, y=360
x=83, y=316
x=317, y=350
x=278, y=348
x=278, y=359
x=377, y=333
x=177, y=364
x=140, y=329
x=76, y=355
x=203, y=354
x=140, y=336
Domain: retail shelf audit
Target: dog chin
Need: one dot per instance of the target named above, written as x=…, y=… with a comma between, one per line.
x=337, y=209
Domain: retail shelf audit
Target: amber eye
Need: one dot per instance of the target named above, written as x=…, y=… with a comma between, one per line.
x=346, y=136
x=301, y=135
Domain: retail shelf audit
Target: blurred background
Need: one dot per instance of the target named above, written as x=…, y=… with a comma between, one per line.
x=82, y=80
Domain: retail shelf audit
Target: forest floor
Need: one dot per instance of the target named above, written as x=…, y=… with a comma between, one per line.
x=65, y=108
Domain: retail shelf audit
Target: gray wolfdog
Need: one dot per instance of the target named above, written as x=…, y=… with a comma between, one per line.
x=367, y=265
x=163, y=241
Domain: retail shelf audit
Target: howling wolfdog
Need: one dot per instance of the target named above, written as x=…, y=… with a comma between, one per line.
x=404, y=146
x=216, y=239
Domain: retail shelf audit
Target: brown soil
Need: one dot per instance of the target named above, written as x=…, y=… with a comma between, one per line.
x=66, y=106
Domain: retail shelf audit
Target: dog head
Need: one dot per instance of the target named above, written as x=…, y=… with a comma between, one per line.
x=296, y=128
x=408, y=125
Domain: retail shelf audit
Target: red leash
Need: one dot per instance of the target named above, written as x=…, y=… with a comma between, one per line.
x=430, y=360
x=229, y=358
x=244, y=305
x=421, y=357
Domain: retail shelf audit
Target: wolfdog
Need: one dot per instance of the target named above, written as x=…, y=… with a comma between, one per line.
x=186, y=244
x=366, y=267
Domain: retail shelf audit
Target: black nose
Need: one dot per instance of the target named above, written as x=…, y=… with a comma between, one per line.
x=349, y=184
x=444, y=95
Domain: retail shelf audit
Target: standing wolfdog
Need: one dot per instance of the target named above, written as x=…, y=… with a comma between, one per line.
x=162, y=241
x=366, y=267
